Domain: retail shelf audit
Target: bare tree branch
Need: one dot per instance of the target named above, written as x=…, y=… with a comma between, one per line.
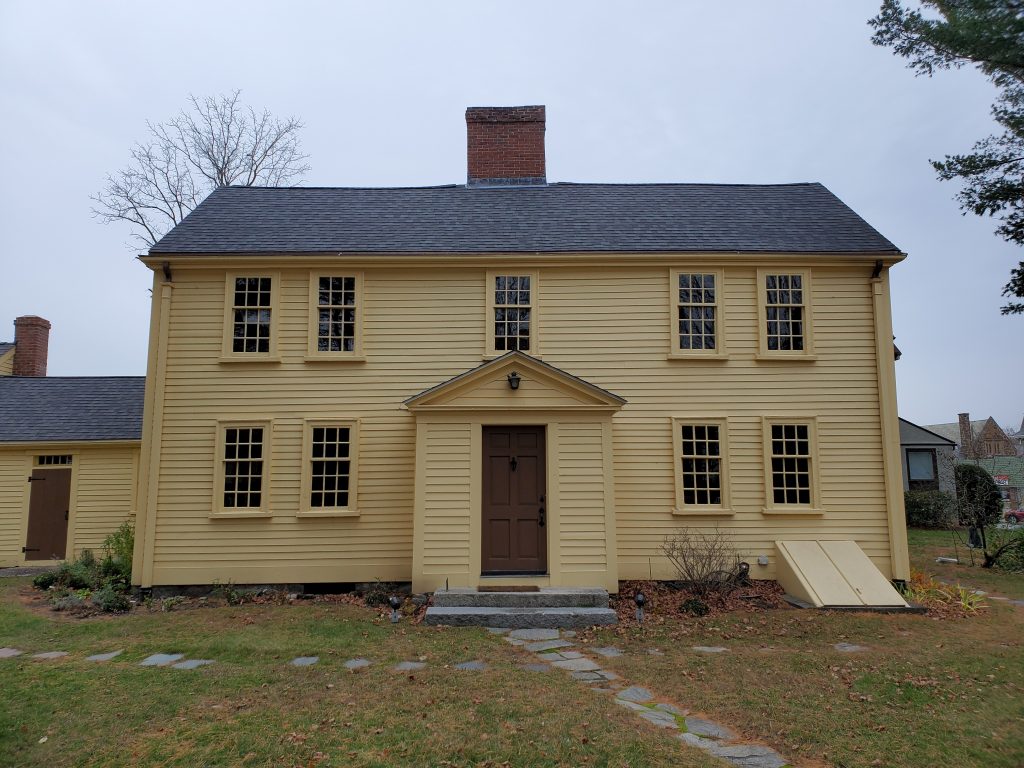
x=216, y=142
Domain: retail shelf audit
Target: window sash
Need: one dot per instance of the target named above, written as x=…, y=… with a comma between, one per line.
x=251, y=314
x=242, y=466
x=696, y=296
x=921, y=465
x=512, y=312
x=702, y=469
x=336, y=313
x=785, y=312
x=790, y=470
x=330, y=467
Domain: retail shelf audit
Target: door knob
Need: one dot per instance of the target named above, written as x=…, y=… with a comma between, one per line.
x=541, y=519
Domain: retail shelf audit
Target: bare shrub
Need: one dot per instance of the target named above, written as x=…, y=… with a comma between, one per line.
x=704, y=560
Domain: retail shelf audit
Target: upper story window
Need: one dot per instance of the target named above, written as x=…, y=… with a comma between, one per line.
x=336, y=306
x=251, y=315
x=250, y=321
x=784, y=310
x=696, y=321
x=512, y=304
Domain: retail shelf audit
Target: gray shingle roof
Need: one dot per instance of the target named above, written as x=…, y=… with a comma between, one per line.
x=913, y=434
x=951, y=431
x=784, y=218
x=45, y=409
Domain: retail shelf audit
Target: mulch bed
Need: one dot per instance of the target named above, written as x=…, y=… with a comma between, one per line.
x=666, y=600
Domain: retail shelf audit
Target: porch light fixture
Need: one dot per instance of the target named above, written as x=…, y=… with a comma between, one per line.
x=513, y=380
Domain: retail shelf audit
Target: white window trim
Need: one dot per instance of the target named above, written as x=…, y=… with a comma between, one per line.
x=490, y=352
x=352, y=509
x=312, y=353
x=770, y=507
x=228, y=355
x=264, y=510
x=701, y=510
x=807, y=353
x=674, y=352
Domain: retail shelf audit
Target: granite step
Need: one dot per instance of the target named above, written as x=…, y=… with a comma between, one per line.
x=546, y=597
x=518, y=617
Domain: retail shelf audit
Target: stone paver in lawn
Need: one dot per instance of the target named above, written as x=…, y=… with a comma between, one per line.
x=161, y=659
x=534, y=634
x=498, y=630
x=702, y=727
x=660, y=718
x=609, y=652
x=48, y=655
x=576, y=665
x=536, y=667
x=304, y=661
x=409, y=666
x=587, y=677
x=747, y=755
x=472, y=666
x=849, y=647
x=514, y=641
x=192, y=663
x=104, y=656
x=709, y=649
x=636, y=694
x=548, y=645
x=9, y=653
x=672, y=708
x=355, y=664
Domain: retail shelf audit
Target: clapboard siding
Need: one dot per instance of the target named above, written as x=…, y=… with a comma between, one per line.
x=422, y=325
x=102, y=494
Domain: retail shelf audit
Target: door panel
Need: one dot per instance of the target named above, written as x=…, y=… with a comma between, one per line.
x=514, y=537
x=49, y=500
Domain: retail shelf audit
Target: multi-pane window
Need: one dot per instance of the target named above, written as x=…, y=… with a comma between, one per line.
x=47, y=461
x=512, y=312
x=330, y=467
x=696, y=311
x=785, y=313
x=336, y=314
x=250, y=314
x=243, y=467
x=701, y=464
x=791, y=463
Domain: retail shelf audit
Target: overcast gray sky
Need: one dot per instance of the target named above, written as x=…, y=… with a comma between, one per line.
x=743, y=91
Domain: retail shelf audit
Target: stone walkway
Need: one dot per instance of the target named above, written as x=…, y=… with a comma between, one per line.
x=558, y=649
x=551, y=649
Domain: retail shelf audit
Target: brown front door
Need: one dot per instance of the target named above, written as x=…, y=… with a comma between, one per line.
x=514, y=518
x=48, y=514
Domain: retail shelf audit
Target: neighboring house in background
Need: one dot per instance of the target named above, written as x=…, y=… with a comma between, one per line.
x=69, y=449
x=513, y=382
x=1018, y=438
x=928, y=459
x=1008, y=472
x=980, y=439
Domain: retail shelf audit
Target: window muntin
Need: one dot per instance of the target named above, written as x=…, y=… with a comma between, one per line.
x=251, y=314
x=790, y=451
x=48, y=461
x=513, y=310
x=701, y=471
x=785, y=312
x=330, y=467
x=337, y=304
x=242, y=467
x=696, y=311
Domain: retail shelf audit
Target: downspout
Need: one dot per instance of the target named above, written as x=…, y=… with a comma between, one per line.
x=889, y=417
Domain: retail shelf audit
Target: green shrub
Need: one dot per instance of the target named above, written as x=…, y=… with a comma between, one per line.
x=977, y=496
x=109, y=599
x=118, y=549
x=929, y=509
x=45, y=580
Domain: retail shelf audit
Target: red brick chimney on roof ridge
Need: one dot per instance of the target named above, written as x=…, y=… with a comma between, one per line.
x=505, y=146
x=966, y=436
x=31, y=342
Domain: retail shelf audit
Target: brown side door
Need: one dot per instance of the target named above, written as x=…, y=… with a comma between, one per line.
x=514, y=517
x=49, y=501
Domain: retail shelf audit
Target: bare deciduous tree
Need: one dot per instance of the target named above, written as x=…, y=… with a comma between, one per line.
x=216, y=143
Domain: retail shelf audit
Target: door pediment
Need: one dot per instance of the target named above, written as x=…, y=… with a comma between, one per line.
x=541, y=387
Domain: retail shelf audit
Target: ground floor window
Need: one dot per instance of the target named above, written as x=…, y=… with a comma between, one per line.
x=791, y=480
x=242, y=465
x=700, y=458
x=922, y=470
x=330, y=473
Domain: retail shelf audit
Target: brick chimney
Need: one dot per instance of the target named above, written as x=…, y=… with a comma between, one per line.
x=505, y=146
x=966, y=436
x=31, y=340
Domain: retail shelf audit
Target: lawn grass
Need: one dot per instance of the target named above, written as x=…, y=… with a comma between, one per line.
x=924, y=693
x=926, y=545
x=252, y=708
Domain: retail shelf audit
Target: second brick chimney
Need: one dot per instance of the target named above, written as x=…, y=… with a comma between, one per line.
x=31, y=342
x=505, y=146
x=966, y=436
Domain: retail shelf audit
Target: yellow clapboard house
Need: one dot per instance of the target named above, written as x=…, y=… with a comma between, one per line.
x=512, y=381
